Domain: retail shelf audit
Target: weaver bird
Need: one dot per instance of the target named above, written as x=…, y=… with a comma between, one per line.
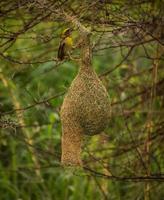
x=66, y=44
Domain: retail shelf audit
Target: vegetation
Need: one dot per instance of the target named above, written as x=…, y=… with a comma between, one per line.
x=126, y=161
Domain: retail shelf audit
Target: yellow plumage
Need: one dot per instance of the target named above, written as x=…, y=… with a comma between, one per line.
x=69, y=41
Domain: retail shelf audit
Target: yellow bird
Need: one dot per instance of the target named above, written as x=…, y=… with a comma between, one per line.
x=66, y=44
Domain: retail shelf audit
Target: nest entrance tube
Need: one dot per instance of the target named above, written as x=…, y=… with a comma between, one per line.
x=85, y=109
x=71, y=144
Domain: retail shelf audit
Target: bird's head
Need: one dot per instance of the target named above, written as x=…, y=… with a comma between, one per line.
x=66, y=32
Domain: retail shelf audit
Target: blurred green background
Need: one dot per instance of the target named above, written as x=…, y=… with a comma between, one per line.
x=32, y=87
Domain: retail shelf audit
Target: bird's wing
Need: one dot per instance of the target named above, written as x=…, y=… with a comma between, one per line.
x=61, y=51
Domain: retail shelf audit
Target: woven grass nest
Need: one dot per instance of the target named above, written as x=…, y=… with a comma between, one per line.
x=85, y=111
x=86, y=106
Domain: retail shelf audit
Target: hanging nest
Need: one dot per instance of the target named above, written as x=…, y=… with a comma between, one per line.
x=85, y=110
